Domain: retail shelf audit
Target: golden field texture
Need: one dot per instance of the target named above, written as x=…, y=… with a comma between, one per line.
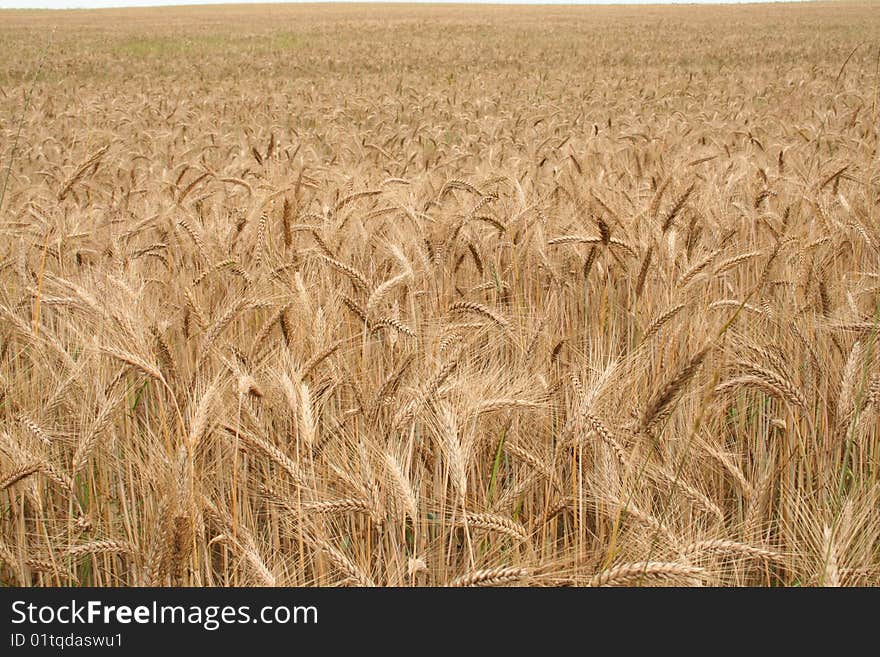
x=413, y=295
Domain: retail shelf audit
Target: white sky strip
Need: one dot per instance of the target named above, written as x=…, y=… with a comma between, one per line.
x=97, y=4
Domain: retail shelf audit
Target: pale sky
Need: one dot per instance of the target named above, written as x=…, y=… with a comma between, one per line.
x=69, y=4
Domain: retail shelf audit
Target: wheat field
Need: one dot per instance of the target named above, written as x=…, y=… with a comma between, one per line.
x=397, y=295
